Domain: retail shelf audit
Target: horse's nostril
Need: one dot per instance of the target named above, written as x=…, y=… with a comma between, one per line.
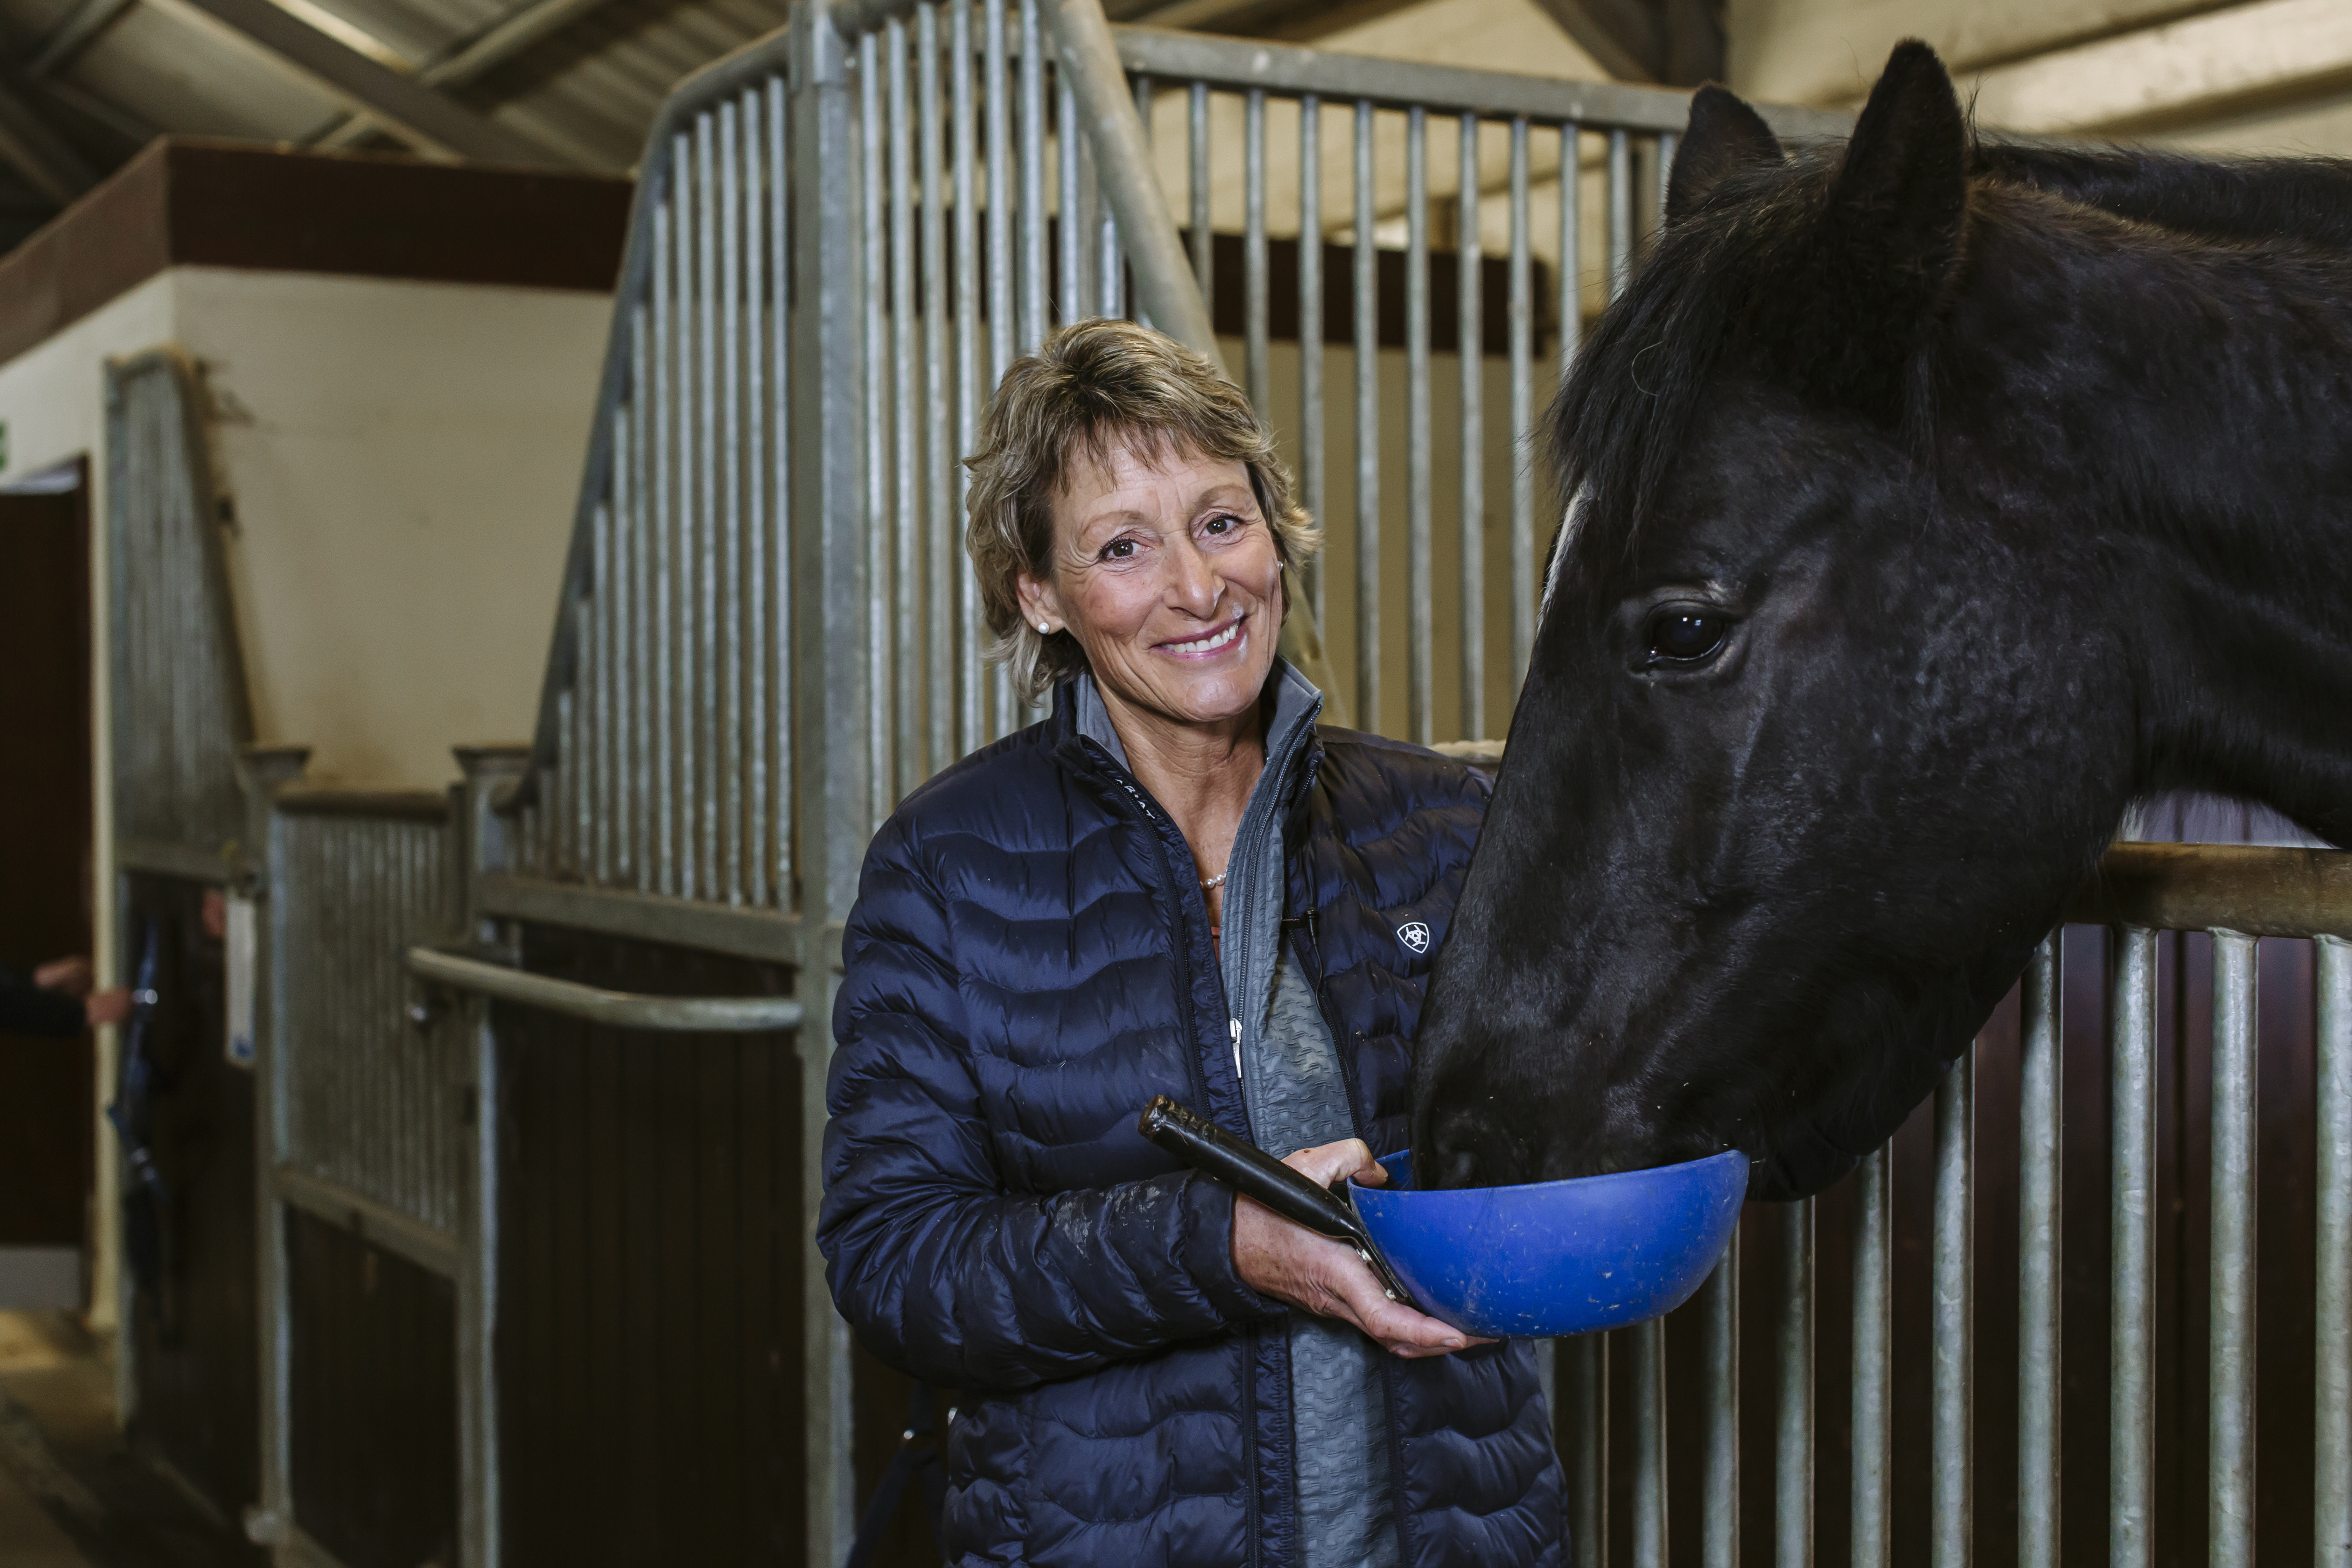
x=1457, y=1168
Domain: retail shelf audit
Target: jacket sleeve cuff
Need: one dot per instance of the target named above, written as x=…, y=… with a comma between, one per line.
x=1209, y=1253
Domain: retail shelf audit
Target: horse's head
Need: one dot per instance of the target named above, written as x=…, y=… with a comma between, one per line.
x=1783, y=810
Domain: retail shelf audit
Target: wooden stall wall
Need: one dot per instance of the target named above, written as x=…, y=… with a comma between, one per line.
x=373, y=1396
x=649, y=1333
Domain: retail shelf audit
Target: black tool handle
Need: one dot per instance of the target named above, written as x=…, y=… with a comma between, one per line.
x=1251, y=1171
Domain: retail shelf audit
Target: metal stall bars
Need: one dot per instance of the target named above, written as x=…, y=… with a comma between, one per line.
x=842, y=234
x=1391, y=183
x=180, y=706
x=361, y=1100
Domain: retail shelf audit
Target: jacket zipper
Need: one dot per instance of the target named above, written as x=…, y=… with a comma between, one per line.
x=1161, y=828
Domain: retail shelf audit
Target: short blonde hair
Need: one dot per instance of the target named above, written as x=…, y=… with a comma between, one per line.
x=1088, y=385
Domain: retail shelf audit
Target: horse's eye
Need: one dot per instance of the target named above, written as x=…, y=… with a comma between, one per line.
x=1679, y=634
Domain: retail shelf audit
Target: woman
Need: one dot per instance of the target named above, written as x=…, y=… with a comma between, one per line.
x=1177, y=884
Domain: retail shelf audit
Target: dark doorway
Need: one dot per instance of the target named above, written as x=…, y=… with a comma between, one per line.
x=46, y=893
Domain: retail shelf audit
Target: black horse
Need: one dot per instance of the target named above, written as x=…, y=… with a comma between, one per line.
x=1932, y=501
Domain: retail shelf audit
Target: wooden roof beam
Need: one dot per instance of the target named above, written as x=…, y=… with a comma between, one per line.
x=43, y=157
x=74, y=33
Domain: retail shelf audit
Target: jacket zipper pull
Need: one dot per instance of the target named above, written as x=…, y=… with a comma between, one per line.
x=1238, y=1048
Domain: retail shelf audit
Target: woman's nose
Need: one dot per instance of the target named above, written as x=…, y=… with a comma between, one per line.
x=1193, y=584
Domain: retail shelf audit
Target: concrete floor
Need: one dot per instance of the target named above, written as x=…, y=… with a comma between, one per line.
x=72, y=1493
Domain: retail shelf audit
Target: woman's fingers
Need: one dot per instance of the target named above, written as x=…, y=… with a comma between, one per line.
x=1327, y=1163
x=1357, y=1291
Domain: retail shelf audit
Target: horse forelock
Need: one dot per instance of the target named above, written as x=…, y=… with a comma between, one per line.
x=1621, y=420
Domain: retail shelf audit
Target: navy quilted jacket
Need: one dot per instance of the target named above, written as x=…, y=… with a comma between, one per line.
x=1027, y=965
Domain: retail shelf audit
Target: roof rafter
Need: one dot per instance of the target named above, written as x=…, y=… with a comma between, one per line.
x=2202, y=68
x=45, y=158
x=414, y=111
x=511, y=36
x=74, y=34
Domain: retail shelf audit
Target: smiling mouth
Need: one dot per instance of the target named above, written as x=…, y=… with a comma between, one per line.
x=1213, y=642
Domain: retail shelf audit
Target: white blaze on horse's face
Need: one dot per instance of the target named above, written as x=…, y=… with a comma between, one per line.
x=1562, y=542
x=1166, y=573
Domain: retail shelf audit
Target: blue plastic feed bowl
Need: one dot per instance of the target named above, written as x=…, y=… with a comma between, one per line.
x=1552, y=1258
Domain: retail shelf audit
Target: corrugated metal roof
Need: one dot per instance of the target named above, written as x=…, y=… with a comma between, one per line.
x=105, y=76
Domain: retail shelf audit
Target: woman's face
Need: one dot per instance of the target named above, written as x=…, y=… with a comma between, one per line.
x=1165, y=570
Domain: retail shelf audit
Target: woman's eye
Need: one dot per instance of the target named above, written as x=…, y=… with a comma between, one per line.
x=1221, y=525
x=1119, y=550
x=1679, y=634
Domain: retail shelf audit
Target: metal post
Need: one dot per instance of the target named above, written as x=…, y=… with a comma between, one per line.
x=1621, y=211
x=1793, y=1480
x=485, y=839
x=1650, y=1444
x=264, y=771
x=2332, y=1182
x=1420, y=635
x=1874, y=1359
x=1470, y=362
x=2040, y=1283
x=1588, y=1505
x=1369, y=646
x=1257, y=370
x=1719, y=1504
x=830, y=609
x=1311, y=465
x=2229, y=1414
x=1523, y=416
x=2131, y=1408
x=1954, y=1316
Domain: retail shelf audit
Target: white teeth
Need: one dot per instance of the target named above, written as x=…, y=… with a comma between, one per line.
x=1208, y=644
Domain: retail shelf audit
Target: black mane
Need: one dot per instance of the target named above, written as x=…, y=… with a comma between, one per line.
x=1738, y=279
x=2261, y=201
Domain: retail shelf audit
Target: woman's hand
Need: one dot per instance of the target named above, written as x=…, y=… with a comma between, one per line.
x=72, y=975
x=1275, y=1257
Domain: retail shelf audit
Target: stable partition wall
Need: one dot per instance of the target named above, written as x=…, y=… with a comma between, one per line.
x=293, y=1303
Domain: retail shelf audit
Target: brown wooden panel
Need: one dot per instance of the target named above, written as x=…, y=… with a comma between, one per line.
x=649, y=1334
x=45, y=804
x=374, y=1397
x=190, y=200
x=1228, y=259
x=198, y=1389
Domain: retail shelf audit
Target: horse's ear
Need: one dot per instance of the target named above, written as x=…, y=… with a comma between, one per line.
x=1724, y=137
x=1900, y=201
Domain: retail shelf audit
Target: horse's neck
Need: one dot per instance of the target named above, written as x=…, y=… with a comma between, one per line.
x=2208, y=401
